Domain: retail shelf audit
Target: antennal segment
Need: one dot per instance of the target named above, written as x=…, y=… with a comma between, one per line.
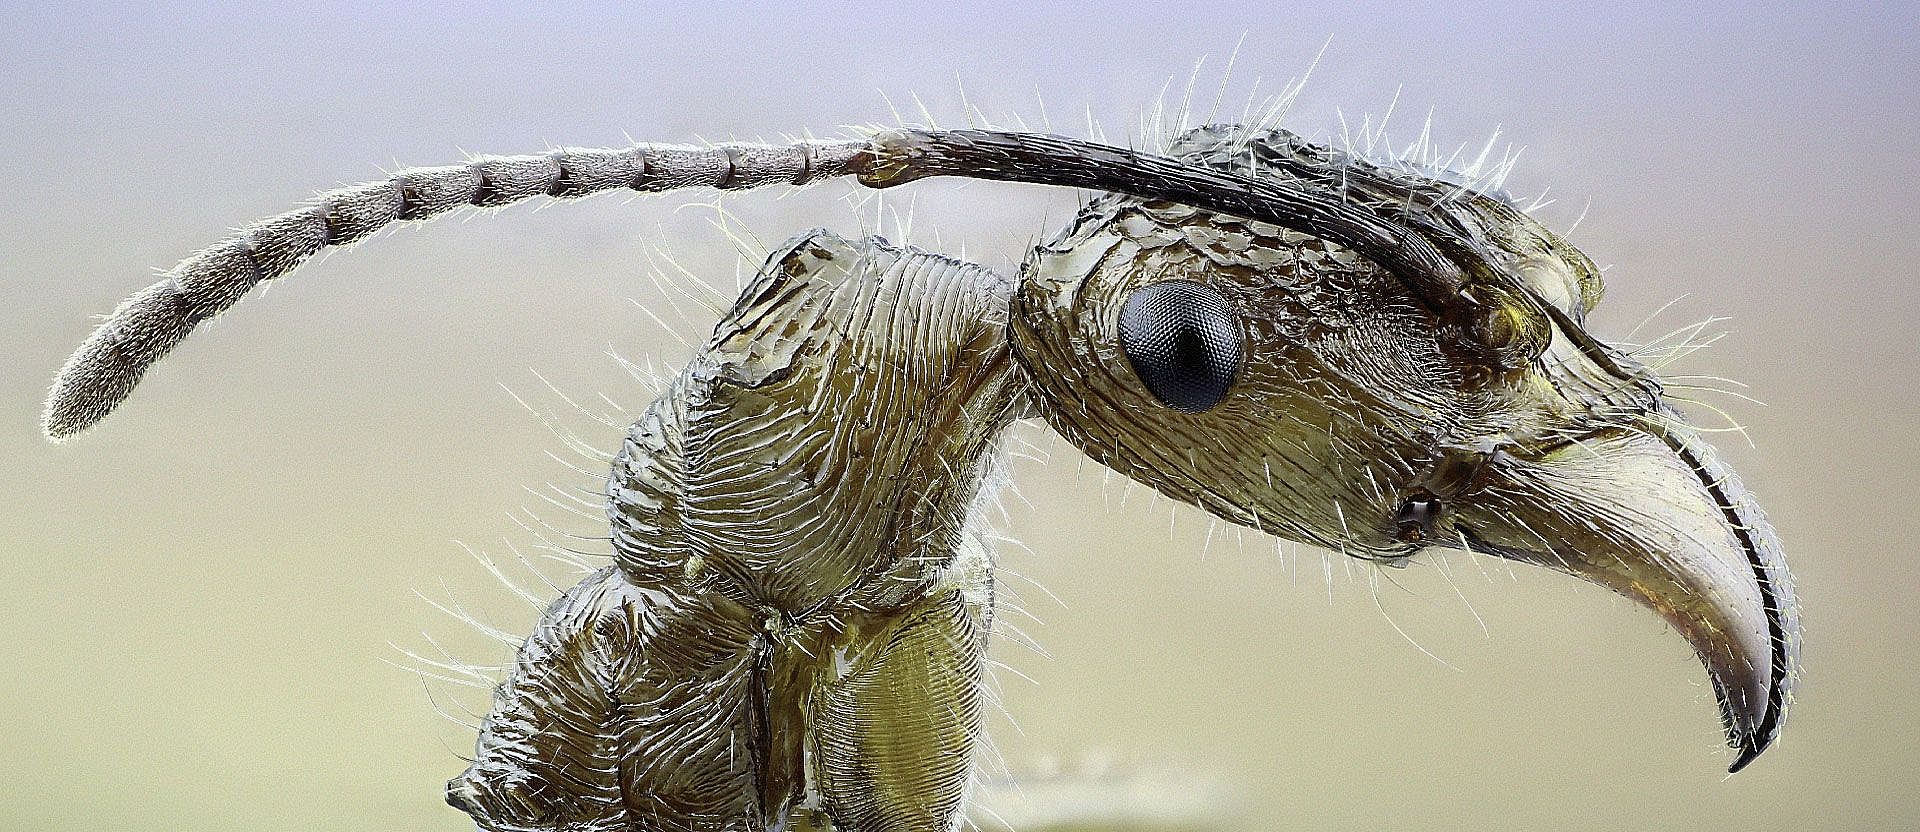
x=107, y=366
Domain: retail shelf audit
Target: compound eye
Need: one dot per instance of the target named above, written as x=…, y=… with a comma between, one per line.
x=1184, y=342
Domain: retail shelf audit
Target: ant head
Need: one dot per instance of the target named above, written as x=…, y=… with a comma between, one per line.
x=1290, y=383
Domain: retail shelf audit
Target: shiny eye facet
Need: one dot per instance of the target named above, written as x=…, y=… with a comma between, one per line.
x=1413, y=522
x=1184, y=342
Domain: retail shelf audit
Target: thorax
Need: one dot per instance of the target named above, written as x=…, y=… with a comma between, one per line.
x=825, y=448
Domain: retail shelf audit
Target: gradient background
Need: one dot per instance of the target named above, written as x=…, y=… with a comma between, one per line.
x=197, y=598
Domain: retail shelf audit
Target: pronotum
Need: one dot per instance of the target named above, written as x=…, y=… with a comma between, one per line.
x=1368, y=357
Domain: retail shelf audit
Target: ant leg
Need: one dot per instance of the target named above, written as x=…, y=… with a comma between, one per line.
x=894, y=734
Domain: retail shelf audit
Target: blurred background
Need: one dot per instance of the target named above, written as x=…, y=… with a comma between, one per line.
x=205, y=601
